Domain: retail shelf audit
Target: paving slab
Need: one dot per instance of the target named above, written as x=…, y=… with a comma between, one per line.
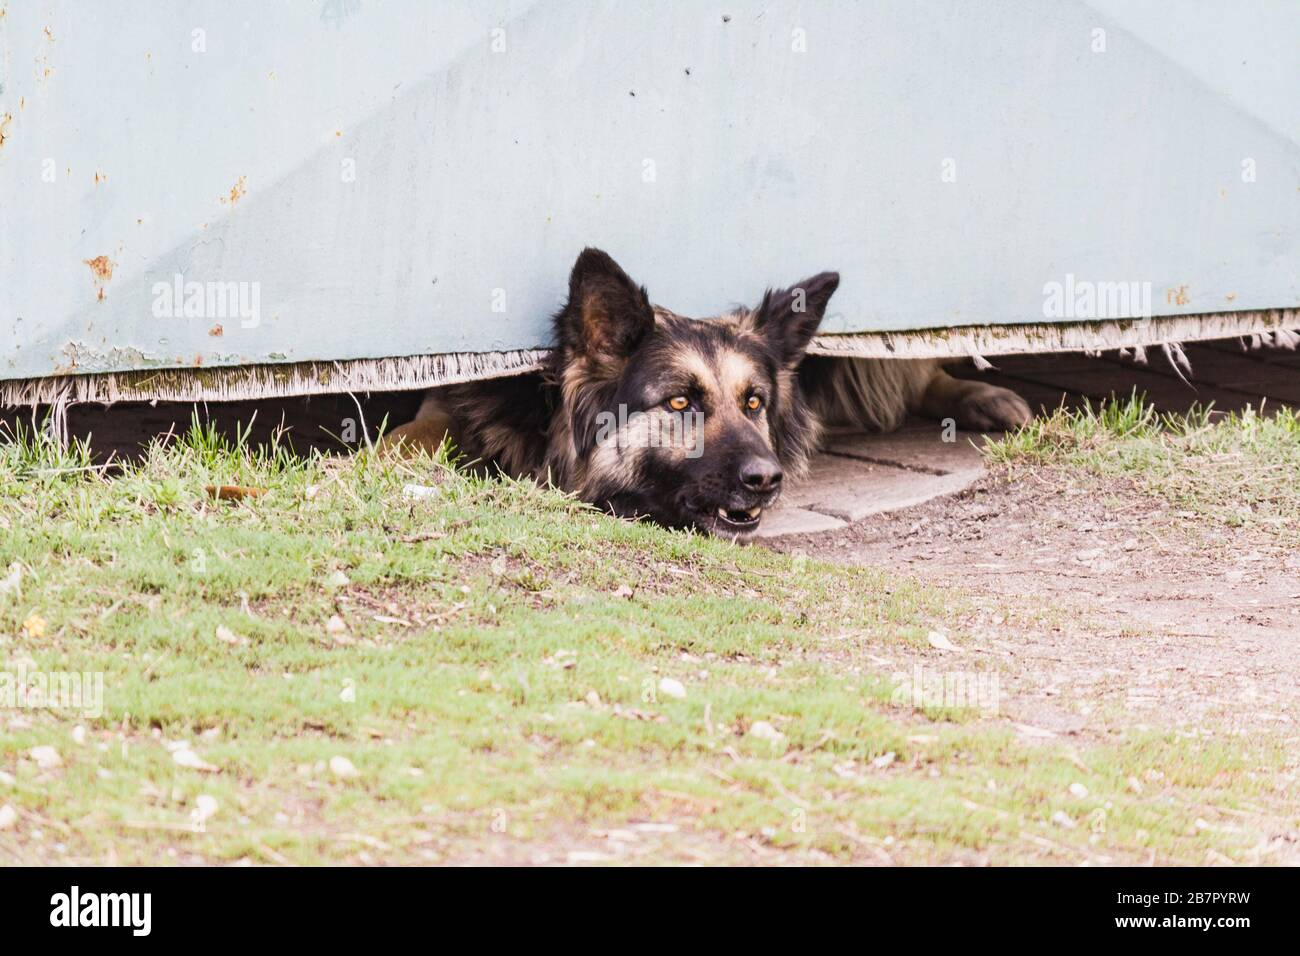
x=787, y=519
x=843, y=488
x=925, y=448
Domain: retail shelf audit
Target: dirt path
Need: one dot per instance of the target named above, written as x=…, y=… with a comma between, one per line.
x=1103, y=607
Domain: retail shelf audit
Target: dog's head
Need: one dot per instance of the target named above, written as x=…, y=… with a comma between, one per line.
x=693, y=423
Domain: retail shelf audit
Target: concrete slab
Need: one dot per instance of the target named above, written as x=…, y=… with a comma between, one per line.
x=792, y=520
x=851, y=489
x=921, y=448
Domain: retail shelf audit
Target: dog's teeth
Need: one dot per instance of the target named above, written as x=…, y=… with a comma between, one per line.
x=755, y=511
x=722, y=512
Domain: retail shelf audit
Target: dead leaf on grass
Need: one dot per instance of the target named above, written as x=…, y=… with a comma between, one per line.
x=233, y=492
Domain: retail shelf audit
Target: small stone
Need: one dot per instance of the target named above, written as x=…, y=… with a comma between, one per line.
x=1135, y=785
x=1063, y=819
x=78, y=734
x=8, y=817
x=205, y=806
x=343, y=767
x=336, y=625
x=1130, y=544
x=1078, y=790
x=884, y=760
x=337, y=579
x=765, y=731
x=12, y=580
x=227, y=636
x=185, y=757
x=419, y=492
x=7, y=779
x=587, y=856
x=1027, y=730
x=939, y=642
x=46, y=757
x=593, y=699
x=672, y=688
x=623, y=591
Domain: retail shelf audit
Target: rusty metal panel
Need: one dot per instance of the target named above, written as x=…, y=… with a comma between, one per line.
x=223, y=183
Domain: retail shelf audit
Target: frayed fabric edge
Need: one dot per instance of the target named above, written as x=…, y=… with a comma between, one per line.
x=1262, y=327
x=242, y=382
x=1266, y=327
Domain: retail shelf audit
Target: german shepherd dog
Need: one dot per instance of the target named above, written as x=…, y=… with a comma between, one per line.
x=690, y=423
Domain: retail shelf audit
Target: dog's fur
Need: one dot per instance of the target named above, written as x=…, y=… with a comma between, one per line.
x=760, y=399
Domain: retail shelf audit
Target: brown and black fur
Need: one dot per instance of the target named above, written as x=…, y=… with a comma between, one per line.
x=614, y=348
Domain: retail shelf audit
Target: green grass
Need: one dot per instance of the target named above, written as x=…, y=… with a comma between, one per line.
x=1236, y=469
x=487, y=660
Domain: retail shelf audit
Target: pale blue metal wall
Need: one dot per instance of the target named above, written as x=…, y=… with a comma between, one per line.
x=713, y=148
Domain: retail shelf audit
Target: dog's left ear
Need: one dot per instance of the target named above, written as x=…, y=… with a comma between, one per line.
x=788, y=318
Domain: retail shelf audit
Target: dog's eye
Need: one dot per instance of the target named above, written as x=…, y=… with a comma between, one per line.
x=754, y=403
x=679, y=403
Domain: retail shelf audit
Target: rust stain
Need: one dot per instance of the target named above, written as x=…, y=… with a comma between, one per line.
x=101, y=271
x=1177, y=296
x=100, y=177
x=216, y=331
x=1230, y=296
x=4, y=127
x=49, y=34
x=101, y=266
x=237, y=191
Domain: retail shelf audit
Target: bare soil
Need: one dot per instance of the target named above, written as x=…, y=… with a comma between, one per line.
x=1102, y=607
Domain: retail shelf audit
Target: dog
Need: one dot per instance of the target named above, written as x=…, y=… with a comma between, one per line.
x=690, y=423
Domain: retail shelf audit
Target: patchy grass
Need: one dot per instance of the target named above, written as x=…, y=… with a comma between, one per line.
x=394, y=662
x=1236, y=470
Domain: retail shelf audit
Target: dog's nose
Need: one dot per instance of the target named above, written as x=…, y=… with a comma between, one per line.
x=760, y=474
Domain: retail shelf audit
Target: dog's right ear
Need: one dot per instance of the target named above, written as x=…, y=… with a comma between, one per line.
x=607, y=314
x=788, y=318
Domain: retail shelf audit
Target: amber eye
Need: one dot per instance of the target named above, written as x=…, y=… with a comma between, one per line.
x=679, y=403
x=755, y=403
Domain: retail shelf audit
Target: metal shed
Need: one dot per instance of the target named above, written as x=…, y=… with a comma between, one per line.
x=239, y=199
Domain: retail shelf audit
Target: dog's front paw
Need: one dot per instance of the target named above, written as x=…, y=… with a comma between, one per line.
x=988, y=408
